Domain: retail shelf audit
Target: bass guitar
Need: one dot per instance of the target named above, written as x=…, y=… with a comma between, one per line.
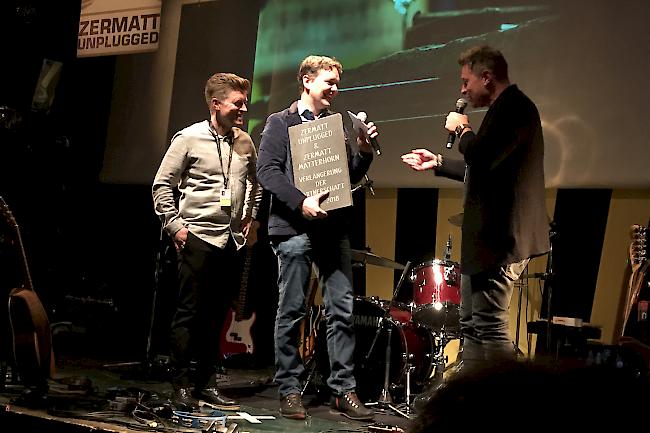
x=236, y=335
x=30, y=327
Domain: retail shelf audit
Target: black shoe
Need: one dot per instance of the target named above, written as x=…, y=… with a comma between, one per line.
x=216, y=400
x=421, y=400
x=349, y=405
x=183, y=400
x=291, y=407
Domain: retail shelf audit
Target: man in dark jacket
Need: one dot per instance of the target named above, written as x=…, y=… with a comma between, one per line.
x=302, y=233
x=505, y=221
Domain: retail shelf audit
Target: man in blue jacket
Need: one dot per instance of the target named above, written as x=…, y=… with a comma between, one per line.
x=303, y=233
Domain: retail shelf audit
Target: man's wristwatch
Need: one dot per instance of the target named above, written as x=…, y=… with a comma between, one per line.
x=460, y=128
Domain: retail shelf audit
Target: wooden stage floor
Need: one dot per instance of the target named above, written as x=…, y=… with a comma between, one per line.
x=88, y=396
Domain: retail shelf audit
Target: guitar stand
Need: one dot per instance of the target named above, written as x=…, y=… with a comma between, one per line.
x=312, y=371
x=385, y=400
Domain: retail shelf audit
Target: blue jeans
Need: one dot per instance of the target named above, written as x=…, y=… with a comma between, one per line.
x=331, y=254
x=485, y=301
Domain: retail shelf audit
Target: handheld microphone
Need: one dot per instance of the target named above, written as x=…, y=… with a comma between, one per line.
x=461, y=103
x=373, y=141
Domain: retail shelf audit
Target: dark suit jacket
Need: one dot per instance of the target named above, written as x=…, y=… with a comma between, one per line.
x=505, y=219
x=275, y=174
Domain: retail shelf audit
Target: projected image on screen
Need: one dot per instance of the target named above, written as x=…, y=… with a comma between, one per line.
x=583, y=62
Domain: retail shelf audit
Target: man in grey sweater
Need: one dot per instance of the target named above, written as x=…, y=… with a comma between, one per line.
x=212, y=163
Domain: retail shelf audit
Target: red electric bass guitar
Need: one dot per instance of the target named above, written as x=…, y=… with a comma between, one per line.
x=236, y=335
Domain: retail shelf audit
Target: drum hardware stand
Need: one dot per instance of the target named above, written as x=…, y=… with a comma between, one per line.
x=438, y=361
x=548, y=278
x=548, y=286
x=409, y=370
x=522, y=284
x=439, y=358
x=448, y=248
x=385, y=400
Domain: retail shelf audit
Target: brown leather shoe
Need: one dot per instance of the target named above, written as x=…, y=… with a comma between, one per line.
x=291, y=407
x=216, y=400
x=349, y=405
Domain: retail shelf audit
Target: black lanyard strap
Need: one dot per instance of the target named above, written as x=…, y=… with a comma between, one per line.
x=226, y=175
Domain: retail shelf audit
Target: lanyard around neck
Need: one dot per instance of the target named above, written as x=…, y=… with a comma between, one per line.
x=226, y=174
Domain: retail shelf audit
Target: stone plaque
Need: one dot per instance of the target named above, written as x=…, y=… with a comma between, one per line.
x=320, y=160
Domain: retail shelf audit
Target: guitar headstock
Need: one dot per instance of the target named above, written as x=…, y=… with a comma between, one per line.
x=6, y=213
x=639, y=244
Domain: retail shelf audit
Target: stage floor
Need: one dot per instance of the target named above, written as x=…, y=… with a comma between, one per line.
x=84, y=391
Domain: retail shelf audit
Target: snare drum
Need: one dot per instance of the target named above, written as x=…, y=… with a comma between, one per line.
x=436, y=295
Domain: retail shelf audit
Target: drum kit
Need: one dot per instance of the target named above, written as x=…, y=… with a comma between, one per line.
x=399, y=349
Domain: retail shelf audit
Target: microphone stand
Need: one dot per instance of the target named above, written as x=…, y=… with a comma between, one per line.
x=549, y=291
x=367, y=183
x=151, y=367
x=548, y=278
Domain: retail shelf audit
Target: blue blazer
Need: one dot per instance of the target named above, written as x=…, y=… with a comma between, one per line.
x=275, y=174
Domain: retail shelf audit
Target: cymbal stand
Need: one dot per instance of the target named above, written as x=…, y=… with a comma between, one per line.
x=385, y=400
x=407, y=393
x=522, y=285
x=385, y=397
x=548, y=286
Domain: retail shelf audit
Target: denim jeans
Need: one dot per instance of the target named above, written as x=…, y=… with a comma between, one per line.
x=331, y=254
x=485, y=301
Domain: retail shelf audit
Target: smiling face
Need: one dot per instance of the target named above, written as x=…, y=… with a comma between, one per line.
x=230, y=110
x=475, y=87
x=321, y=89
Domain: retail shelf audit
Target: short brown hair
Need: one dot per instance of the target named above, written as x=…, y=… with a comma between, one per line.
x=222, y=83
x=484, y=57
x=312, y=64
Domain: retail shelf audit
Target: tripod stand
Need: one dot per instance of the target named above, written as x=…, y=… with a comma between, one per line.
x=152, y=367
x=385, y=400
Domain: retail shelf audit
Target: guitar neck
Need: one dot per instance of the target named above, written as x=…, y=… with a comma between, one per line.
x=243, y=287
x=4, y=207
x=28, y=277
x=638, y=256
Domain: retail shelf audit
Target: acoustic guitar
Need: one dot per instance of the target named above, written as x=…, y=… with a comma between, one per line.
x=30, y=327
x=236, y=335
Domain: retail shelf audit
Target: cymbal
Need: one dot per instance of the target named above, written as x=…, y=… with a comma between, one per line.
x=456, y=220
x=365, y=257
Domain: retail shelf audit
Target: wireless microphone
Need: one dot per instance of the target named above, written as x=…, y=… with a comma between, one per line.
x=461, y=103
x=373, y=141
